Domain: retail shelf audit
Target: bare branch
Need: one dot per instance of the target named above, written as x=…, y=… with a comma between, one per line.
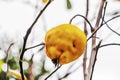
x=7, y=56
x=8, y=51
x=30, y=68
x=97, y=23
x=66, y=75
x=86, y=32
x=103, y=13
x=112, y=29
x=99, y=14
x=86, y=15
x=93, y=52
x=70, y=70
x=53, y=72
x=85, y=20
x=95, y=59
x=26, y=37
x=111, y=19
x=94, y=33
x=35, y=46
x=110, y=44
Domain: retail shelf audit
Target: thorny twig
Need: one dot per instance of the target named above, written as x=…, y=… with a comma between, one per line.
x=26, y=37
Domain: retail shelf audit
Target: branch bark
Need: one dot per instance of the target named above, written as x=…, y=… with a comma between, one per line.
x=94, y=62
x=86, y=32
x=93, y=52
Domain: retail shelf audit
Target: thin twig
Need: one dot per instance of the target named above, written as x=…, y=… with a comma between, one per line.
x=112, y=29
x=95, y=59
x=30, y=68
x=70, y=70
x=53, y=72
x=66, y=75
x=110, y=44
x=35, y=46
x=26, y=37
x=92, y=29
x=93, y=33
x=41, y=48
x=111, y=19
x=97, y=28
x=7, y=55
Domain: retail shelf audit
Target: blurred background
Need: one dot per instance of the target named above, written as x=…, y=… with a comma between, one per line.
x=16, y=16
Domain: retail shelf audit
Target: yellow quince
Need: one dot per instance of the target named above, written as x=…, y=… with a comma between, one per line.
x=65, y=43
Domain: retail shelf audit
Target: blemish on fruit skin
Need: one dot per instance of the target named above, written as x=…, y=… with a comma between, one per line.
x=74, y=44
x=68, y=43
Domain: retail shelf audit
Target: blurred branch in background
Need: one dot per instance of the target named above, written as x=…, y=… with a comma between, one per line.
x=7, y=58
x=30, y=68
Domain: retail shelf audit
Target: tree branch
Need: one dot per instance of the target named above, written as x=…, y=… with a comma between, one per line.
x=86, y=32
x=7, y=56
x=30, y=68
x=103, y=13
x=95, y=59
x=53, y=72
x=35, y=46
x=97, y=23
x=111, y=19
x=92, y=29
x=112, y=29
x=97, y=27
x=110, y=44
x=26, y=37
